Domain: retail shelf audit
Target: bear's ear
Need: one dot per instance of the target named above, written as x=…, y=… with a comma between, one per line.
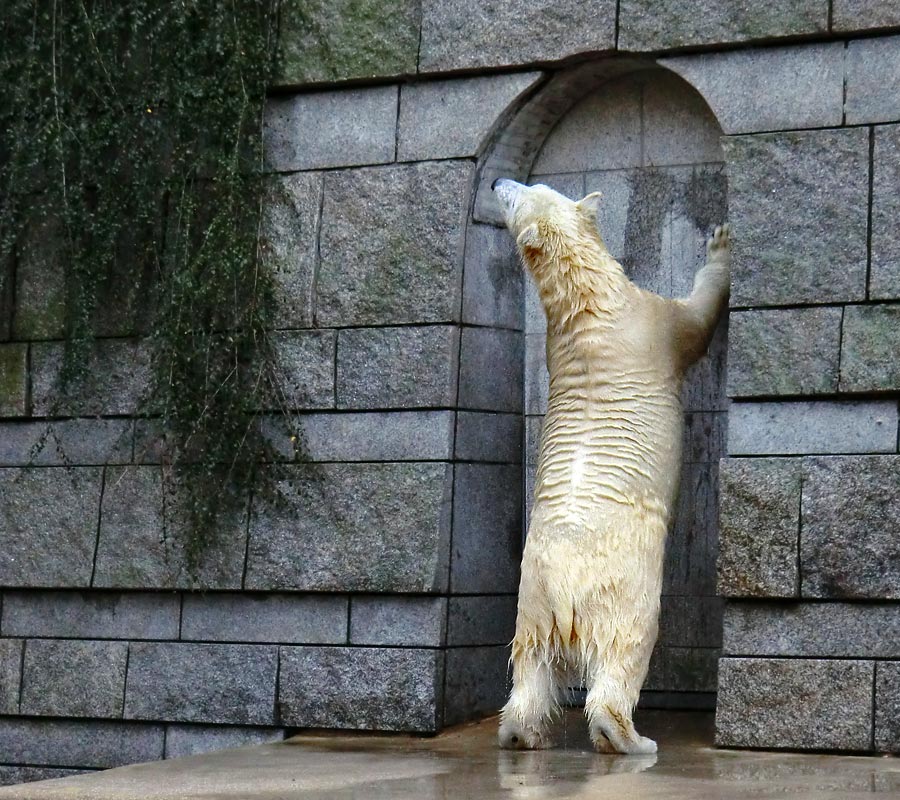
x=590, y=205
x=530, y=238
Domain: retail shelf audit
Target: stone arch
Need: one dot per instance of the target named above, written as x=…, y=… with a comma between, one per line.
x=648, y=140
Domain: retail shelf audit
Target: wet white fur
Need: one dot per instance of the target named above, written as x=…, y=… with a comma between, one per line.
x=608, y=470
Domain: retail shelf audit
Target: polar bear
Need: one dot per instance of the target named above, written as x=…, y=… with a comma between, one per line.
x=608, y=469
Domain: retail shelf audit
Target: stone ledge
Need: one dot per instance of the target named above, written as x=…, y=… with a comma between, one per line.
x=651, y=25
x=460, y=35
x=345, y=39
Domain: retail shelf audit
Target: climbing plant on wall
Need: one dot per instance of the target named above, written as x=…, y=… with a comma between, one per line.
x=130, y=147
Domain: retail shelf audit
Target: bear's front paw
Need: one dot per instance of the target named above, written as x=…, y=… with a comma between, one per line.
x=719, y=244
x=513, y=736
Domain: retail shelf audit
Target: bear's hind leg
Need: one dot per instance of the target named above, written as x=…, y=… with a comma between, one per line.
x=532, y=703
x=609, y=717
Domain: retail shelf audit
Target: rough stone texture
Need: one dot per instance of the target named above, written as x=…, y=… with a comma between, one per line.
x=705, y=435
x=759, y=522
x=704, y=384
x=887, y=706
x=353, y=527
x=855, y=15
x=800, y=201
x=796, y=703
x=391, y=244
x=487, y=528
x=55, y=680
x=798, y=428
x=13, y=379
x=678, y=126
x=870, y=346
x=372, y=436
x=682, y=669
x=784, y=352
x=69, y=442
x=330, y=41
x=117, y=379
x=884, y=278
x=79, y=743
x=305, y=364
x=489, y=437
x=452, y=119
x=213, y=683
x=457, y=35
x=191, y=740
x=136, y=549
x=405, y=621
x=537, y=379
x=48, y=526
x=408, y=367
x=851, y=514
x=370, y=688
x=688, y=621
x=490, y=370
x=320, y=129
x=840, y=630
x=289, y=242
x=534, y=427
x=10, y=675
x=224, y=617
x=768, y=89
x=476, y=682
x=40, y=302
x=873, y=80
x=578, y=143
x=91, y=615
x=649, y=25
x=492, y=285
x=481, y=620
x=693, y=546
x=12, y=776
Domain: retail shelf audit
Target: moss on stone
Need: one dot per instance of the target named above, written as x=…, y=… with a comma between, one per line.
x=12, y=379
x=347, y=39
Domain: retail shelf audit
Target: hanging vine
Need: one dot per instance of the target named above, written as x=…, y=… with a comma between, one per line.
x=131, y=149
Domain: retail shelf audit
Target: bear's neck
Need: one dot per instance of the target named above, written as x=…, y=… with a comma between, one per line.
x=574, y=283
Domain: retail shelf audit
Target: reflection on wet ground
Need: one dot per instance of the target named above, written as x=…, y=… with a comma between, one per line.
x=464, y=763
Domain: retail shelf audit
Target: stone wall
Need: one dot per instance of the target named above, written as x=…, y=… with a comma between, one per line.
x=383, y=598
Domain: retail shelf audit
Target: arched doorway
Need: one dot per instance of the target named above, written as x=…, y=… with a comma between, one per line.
x=647, y=140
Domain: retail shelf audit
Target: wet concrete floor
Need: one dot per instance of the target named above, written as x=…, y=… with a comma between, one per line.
x=465, y=764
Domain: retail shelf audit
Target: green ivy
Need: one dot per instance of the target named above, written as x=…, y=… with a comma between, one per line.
x=131, y=140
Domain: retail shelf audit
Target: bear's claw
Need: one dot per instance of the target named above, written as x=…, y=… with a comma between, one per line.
x=720, y=241
x=518, y=737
